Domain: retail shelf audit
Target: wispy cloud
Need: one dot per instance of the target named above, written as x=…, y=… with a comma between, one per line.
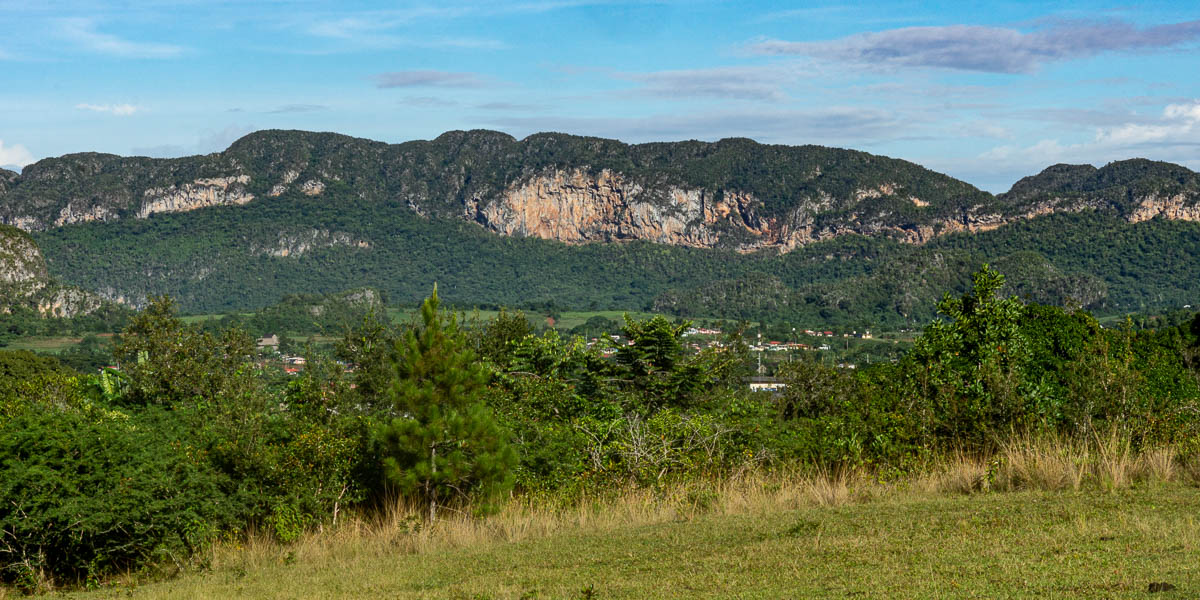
x=297, y=108
x=1172, y=135
x=120, y=110
x=379, y=30
x=821, y=126
x=735, y=83
x=509, y=107
x=428, y=102
x=82, y=31
x=212, y=140
x=15, y=155
x=428, y=78
x=988, y=49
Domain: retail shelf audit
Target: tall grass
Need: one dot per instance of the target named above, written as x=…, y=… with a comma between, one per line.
x=1052, y=463
x=1044, y=463
x=1102, y=463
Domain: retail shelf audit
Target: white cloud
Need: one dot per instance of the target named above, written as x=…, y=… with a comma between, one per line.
x=1180, y=124
x=15, y=155
x=1187, y=112
x=83, y=33
x=1172, y=136
x=120, y=110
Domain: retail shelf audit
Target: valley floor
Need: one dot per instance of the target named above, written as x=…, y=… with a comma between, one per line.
x=1065, y=544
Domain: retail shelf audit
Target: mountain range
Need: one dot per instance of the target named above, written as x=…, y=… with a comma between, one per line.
x=731, y=228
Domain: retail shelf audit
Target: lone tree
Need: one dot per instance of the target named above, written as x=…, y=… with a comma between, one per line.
x=444, y=446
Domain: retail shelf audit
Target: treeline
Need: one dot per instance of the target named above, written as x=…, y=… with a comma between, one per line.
x=23, y=322
x=305, y=315
x=194, y=439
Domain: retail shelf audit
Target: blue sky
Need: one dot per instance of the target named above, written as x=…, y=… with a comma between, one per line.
x=984, y=91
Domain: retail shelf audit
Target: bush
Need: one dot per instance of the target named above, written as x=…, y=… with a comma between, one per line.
x=82, y=498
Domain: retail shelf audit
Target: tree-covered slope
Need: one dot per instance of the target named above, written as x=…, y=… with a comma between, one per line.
x=1136, y=189
x=734, y=192
x=742, y=229
x=234, y=258
x=30, y=297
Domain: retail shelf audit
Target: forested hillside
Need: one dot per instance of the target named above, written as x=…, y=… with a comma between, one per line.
x=730, y=229
x=218, y=260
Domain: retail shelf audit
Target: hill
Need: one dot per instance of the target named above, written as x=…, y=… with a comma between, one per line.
x=732, y=193
x=730, y=229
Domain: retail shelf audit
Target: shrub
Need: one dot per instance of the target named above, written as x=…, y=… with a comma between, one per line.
x=81, y=497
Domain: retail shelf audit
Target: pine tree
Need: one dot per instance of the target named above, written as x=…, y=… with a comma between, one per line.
x=445, y=446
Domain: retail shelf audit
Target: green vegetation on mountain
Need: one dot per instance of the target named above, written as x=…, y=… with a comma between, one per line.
x=439, y=176
x=287, y=212
x=34, y=304
x=1117, y=186
x=205, y=260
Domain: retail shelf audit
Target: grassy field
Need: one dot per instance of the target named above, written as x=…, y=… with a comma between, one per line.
x=53, y=344
x=765, y=538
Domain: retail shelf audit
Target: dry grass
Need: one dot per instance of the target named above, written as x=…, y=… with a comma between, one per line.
x=1029, y=465
x=901, y=543
x=1105, y=462
x=400, y=528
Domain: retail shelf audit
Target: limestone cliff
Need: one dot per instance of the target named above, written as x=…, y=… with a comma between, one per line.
x=1177, y=207
x=201, y=193
x=577, y=207
x=22, y=269
x=25, y=282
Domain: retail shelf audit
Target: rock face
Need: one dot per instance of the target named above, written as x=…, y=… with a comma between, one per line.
x=577, y=207
x=734, y=193
x=299, y=243
x=201, y=193
x=25, y=282
x=1179, y=207
x=21, y=264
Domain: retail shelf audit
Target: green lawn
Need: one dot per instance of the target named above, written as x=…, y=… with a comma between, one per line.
x=1000, y=545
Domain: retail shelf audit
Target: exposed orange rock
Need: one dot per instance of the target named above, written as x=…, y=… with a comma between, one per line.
x=578, y=207
x=1172, y=207
x=215, y=191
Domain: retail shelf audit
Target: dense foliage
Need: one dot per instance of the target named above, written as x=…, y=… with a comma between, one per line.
x=205, y=260
x=197, y=436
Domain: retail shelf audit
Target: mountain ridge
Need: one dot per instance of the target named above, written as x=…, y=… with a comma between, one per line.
x=733, y=193
x=807, y=233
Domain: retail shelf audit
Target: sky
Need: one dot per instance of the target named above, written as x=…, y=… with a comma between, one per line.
x=987, y=92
